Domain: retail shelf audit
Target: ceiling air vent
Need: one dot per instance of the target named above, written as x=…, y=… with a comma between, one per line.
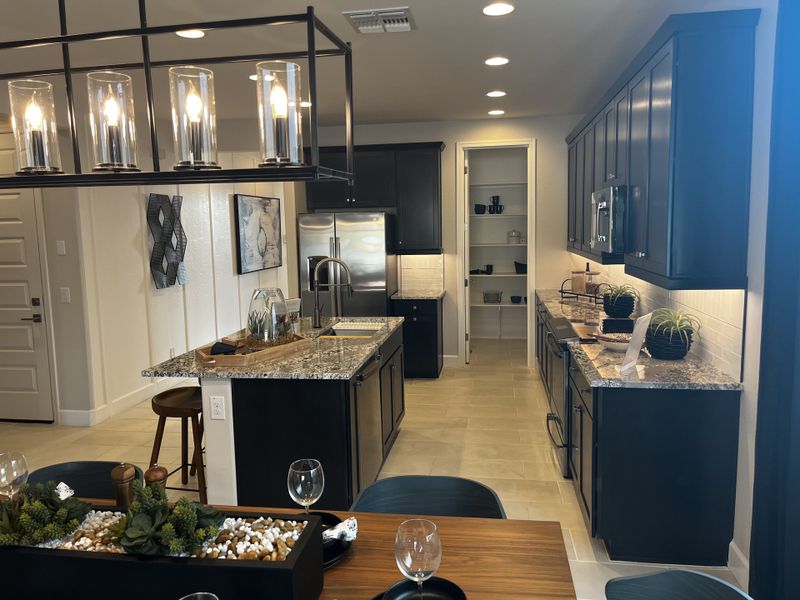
x=381, y=20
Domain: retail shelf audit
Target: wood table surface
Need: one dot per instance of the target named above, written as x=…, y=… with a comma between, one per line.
x=487, y=558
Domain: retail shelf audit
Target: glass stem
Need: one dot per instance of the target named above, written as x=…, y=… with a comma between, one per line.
x=306, y=507
x=419, y=587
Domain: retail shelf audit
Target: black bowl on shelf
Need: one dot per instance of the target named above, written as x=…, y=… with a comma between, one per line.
x=516, y=299
x=521, y=268
x=480, y=209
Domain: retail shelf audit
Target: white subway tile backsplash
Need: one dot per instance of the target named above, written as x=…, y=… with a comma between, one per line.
x=721, y=313
x=423, y=271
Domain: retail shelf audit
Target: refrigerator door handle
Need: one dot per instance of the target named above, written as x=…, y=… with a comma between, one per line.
x=337, y=247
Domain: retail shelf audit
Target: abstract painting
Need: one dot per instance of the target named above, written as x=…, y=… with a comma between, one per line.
x=169, y=240
x=258, y=233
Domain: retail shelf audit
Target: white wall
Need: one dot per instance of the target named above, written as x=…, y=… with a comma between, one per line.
x=130, y=324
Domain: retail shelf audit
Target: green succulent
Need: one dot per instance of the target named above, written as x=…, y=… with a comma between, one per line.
x=666, y=321
x=615, y=292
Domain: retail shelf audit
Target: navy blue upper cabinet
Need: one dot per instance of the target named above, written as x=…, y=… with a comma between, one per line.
x=681, y=114
x=419, y=193
x=572, y=196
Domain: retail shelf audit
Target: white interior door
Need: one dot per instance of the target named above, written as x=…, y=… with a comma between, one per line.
x=467, y=281
x=25, y=390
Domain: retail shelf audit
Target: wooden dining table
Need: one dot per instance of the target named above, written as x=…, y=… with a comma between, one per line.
x=487, y=558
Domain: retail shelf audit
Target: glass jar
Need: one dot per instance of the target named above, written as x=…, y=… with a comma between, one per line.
x=279, y=113
x=514, y=237
x=111, y=121
x=268, y=316
x=33, y=118
x=194, y=119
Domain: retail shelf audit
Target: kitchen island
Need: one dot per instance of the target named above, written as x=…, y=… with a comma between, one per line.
x=341, y=401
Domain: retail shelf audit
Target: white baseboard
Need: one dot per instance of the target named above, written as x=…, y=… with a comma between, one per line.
x=739, y=565
x=87, y=418
x=453, y=360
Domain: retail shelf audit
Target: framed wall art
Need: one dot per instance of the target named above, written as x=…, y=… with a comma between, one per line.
x=258, y=233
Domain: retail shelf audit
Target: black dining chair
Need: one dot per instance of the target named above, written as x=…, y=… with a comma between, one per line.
x=430, y=495
x=675, y=584
x=89, y=478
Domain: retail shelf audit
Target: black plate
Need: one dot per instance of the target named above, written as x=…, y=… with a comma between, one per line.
x=333, y=551
x=435, y=588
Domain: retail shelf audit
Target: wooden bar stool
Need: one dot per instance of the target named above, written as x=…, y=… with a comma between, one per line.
x=186, y=404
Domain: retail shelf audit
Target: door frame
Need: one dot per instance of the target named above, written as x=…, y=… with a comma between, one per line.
x=462, y=233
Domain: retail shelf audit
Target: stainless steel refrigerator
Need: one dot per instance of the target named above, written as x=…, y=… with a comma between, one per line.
x=363, y=241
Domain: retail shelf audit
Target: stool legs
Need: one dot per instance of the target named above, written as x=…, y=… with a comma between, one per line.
x=157, y=441
x=195, y=458
x=184, y=450
x=198, y=456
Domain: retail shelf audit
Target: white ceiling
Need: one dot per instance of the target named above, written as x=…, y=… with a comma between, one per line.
x=563, y=52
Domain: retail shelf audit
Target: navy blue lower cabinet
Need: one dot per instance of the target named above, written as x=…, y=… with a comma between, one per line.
x=422, y=336
x=661, y=471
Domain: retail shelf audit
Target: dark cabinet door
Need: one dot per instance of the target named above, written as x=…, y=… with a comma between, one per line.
x=588, y=188
x=387, y=416
x=375, y=185
x=572, y=198
x=398, y=390
x=329, y=194
x=638, y=159
x=600, y=171
x=580, y=168
x=575, y=437
x=587, y=459
x=419, y=201
x=617, y=141
x=419, y=339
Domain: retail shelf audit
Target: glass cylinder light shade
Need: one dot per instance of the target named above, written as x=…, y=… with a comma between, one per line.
x=111, y=121
x=279, y=116
x=33, y=117
x=194, y=122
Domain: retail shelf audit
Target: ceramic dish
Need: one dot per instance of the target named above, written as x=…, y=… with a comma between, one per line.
x=616, y=342
x=434, y=588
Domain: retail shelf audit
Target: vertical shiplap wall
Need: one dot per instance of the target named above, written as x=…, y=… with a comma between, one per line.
x=132, y=324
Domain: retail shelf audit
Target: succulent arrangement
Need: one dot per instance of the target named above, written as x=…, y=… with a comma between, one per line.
x=670, y=333
x=257, y=323
x=619, y=300
x=152, y=528
x=615, y=292
x=38, y=515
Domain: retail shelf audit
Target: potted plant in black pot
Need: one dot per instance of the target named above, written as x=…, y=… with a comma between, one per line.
x=669, y=335
x=619, y=300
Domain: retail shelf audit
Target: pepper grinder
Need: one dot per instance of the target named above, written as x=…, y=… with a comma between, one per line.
x=123, y=475
x=156, y=474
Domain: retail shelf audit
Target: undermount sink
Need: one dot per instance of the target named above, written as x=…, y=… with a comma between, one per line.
x=354, y=330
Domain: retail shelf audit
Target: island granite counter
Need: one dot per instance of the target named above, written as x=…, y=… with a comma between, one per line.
x=340, y=401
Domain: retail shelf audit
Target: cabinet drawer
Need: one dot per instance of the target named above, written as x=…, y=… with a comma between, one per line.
x=415, y=308
x=583, y=388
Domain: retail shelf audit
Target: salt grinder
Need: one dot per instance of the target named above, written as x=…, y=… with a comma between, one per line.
x=156, y=474
x=122, y=475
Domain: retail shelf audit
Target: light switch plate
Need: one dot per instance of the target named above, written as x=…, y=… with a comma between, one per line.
x=217, y=408
x=61, y=248
x=65, y=295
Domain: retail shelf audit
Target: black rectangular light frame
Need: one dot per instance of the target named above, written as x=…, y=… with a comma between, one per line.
x=312, y=172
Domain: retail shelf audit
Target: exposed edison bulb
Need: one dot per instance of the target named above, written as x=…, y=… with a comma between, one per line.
x=194, y=107
x=34, y=116
x=111, y=111
x=279, y=101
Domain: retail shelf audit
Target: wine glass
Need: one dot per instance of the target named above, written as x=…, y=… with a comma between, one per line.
x=306, y=481
x=418, y=550
x=13, y=473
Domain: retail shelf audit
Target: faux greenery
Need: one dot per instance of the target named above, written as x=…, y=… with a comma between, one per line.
x=152, y=528
x=666, y=321
x=257, y=324
x=615, y=292
x=38, y=515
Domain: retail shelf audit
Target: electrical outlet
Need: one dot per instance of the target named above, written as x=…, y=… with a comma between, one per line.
x=217, y=408
x=65, y=295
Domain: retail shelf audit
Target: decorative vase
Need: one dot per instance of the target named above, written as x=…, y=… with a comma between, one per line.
x=620, y=308
x=664, y=346
x=267, y=317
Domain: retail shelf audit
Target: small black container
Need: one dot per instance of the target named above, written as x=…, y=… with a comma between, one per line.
x=488, y=269
x=665, y=347
x=499, y=208
x=516, y=299
x=520, y=268
x=620, y=308
x=480, y=209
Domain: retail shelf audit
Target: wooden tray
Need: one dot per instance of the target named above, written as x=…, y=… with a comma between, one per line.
x=203, y=354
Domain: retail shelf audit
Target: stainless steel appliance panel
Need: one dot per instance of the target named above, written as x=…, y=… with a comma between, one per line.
x=608, y=219
x=316, y=235
x=370, y=433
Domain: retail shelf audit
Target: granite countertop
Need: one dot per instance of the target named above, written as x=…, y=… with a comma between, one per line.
x=601, y=366
x=419, y=294
x=327, y=358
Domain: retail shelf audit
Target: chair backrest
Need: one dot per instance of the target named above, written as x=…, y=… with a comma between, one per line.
x=89, y=478
x=675, y=584
x=430, y=495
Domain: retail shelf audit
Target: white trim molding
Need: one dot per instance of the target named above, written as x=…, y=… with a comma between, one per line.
x=739, y=566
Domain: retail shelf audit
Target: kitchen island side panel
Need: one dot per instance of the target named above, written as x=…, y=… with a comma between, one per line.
x=276, y=422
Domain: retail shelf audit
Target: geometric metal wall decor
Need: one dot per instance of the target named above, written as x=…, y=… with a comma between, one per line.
x=258, y=233
x=169, y=240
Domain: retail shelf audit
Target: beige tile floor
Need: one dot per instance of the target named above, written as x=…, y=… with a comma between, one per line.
x=484, y=421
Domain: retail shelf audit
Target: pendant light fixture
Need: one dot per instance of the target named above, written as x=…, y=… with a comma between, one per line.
x=279, y=113
x=111, y=121
x=33, y=119
x=194, y=122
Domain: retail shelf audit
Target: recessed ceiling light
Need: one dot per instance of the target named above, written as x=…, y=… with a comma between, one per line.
x=497, y=113
x=496, y=94
x=253, y=77
x=497, y=61
x=498, y=9
x=191, y=34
